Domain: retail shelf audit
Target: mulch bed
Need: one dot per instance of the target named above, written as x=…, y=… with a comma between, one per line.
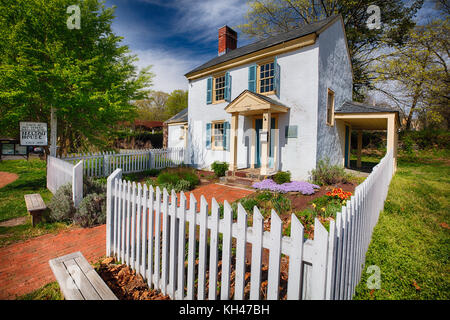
x=127, y=285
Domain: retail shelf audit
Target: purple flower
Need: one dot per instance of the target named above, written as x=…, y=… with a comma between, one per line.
x=294, y=186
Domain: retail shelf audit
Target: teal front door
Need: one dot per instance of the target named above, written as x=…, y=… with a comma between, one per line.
x=258, y=128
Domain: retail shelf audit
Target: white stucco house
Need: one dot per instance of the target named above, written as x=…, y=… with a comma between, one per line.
x=282, y=103
x=177, y=130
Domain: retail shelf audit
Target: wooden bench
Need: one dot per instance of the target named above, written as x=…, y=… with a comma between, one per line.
x=35, y=206
x=78, y=280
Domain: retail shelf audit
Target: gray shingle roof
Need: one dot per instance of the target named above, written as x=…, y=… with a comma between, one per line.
x=266, y=43
x=181, y=116
x=357, y=107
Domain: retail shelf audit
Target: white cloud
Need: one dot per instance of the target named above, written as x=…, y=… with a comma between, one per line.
x=168, y=66
x=203, y=18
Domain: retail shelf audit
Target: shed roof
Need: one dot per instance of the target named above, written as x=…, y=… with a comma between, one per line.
x=181, y=116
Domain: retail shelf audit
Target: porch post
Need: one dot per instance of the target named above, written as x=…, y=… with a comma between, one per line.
x=358, y=161
x=392, y=138
x=265, y=145
x=233, y=141
x=253, y=148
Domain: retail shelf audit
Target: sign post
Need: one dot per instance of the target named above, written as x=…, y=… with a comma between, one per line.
x=53, y=132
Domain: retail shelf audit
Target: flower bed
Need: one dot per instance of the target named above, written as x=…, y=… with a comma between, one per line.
x=294, y=186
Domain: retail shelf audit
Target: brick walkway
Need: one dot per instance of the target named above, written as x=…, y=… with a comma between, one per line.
x=24, y=266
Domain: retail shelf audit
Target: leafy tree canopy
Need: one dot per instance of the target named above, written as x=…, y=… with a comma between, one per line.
x=85, y=74
x=269, y=17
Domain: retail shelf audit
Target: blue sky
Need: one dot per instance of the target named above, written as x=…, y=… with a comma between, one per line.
x=176, y=36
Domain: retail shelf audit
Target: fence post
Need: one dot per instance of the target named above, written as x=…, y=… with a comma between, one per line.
x=110, y=184
x=150, y=160
x=106, y=165
x=77, y=183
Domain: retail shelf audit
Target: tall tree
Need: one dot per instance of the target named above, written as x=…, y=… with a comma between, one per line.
x=177, y=101
x=153, y=108
x=85, y=73
x=268, y=17
x=419, y=71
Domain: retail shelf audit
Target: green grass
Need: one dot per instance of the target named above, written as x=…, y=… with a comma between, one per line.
x=50, y=291
x=32, y=179
x=410, y=244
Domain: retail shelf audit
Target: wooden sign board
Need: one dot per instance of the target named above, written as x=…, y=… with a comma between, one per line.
x=33, y=134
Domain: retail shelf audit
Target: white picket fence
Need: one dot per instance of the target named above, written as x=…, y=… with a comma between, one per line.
x=60, y=172
x=103, y=163
x=147, y=229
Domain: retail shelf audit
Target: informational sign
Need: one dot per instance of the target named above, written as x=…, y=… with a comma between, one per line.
x=33, y=133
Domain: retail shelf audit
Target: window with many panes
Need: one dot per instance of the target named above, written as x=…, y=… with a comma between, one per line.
x=217, y=135
x=219, y=88
x=330, y=107
x=266, y=77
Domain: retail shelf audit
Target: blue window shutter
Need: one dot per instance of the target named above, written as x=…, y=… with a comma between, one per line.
x=227, y=87
x=226, y=135
x=209, y=90
x=277, y=77
x=252, y=78
x=208, y=136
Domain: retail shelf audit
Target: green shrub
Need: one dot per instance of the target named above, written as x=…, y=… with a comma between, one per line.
x=61, y=205
x=327, y=174
x=280, y=203
x=91, y=185
x=219, y=168
x=91, y=211
x=183, y=179
x=282, y=177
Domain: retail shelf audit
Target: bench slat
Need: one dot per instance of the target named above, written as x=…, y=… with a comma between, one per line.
x=65, y=281
x=100, y=286
x=78, y=279
x=82, y=282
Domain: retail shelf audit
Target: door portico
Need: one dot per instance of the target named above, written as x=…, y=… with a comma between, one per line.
x=257, y=106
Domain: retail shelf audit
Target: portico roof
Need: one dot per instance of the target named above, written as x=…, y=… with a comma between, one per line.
x=249, y=103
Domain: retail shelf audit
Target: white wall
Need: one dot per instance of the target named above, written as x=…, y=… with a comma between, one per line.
x=305, y=75
x=298, y=91
x=334, y=73
x=174, y=132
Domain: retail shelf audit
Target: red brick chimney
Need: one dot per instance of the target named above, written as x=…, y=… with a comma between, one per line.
x=227, y=40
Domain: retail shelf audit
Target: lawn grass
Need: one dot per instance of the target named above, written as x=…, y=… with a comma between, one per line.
x=32, y=179
x=50, y=291
x=411, y=242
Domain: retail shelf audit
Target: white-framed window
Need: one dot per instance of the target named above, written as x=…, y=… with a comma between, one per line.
x=266, y=75
x=219, y=89
x=218, y=134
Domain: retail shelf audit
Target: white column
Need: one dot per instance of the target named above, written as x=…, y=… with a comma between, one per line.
x=265, y=145
x=253, y=148
x=233, y=141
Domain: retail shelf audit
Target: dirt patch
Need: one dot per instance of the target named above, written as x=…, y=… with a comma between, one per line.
x=7, y=178
x=14, y=222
